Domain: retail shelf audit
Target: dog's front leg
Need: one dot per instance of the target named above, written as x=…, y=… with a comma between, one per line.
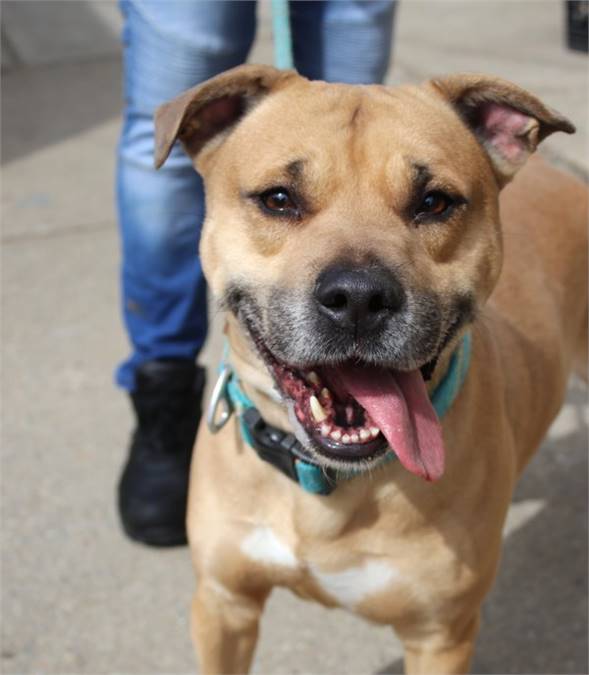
x=448, y=656
x=225, y=628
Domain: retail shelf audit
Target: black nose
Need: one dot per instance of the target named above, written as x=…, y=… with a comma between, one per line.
x=359, y=298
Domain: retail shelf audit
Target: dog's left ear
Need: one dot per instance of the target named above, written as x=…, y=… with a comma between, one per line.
x=507, y=120
x=213, y=107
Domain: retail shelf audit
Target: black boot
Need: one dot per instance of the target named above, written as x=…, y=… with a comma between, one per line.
x=154, y=484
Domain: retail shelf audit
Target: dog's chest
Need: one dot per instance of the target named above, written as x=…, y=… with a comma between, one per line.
x=332, y=573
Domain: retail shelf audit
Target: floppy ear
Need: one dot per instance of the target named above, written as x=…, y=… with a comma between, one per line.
x=204, y=111
x=508, y=121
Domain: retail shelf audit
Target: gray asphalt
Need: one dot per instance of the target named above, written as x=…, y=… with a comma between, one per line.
x=77, y=597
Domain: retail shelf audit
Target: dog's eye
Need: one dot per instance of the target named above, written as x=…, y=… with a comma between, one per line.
x=434, y=203
x=278, y=200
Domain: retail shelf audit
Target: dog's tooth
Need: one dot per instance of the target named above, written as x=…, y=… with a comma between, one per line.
x=325, y=429
x=374, y=431
x=345, y=438
x=364, y=434
x=336, y=435
x=354, y=438
x=319, y=415
x=313, y=378
x=326, y=394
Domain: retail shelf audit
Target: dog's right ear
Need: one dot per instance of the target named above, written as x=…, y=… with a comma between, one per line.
x=210, y=108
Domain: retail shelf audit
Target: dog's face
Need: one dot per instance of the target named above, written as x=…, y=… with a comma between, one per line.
x=355, y=230
x=354, y=233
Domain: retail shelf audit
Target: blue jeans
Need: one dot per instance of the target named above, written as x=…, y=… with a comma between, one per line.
x=170, y=46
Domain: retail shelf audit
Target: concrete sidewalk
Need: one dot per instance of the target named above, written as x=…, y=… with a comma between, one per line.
x=77, y=596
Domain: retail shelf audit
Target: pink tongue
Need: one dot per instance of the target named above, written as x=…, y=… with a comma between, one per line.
x=399, y=404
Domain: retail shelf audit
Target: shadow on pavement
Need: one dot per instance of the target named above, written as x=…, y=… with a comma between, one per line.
x=61, y=72
x=67, y=100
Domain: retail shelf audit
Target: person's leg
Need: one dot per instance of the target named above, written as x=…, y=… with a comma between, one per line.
x=342, y=40
x=169, y=46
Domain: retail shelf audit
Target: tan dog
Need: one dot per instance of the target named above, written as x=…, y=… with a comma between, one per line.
x=353, y=235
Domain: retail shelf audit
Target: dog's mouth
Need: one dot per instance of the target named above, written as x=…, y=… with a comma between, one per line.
x=356, y=412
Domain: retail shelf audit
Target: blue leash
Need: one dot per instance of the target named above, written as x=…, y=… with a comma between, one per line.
x=282, y=36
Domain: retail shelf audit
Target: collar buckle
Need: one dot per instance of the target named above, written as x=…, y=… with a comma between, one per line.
x=272, y=445
x=285, y=453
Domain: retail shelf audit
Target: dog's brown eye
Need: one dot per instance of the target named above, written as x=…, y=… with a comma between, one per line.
x=278, y=200
x=434, y=203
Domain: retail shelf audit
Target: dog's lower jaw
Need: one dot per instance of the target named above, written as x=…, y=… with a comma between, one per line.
x=278, y=410
x=368, y=462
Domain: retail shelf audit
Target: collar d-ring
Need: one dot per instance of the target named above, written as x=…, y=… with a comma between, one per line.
x=220, y=406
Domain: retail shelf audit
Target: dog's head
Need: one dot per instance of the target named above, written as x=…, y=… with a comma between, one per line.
x=353, y=231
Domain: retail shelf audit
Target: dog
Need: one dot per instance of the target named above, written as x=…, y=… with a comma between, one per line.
x=355, y=237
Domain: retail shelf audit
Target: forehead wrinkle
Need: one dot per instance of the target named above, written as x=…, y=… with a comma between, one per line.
x=355, y=128
x=295, y=168
x=440, y=177
x=421, y=176
x=355, y=114
x=289, y=174
x=400, y=177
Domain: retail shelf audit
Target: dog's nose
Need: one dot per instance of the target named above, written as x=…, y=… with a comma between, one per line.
x=358, y=298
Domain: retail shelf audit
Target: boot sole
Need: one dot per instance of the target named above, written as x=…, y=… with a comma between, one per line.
x=160, y=537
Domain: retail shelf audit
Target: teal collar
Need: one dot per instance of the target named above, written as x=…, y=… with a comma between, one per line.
x=449, y=387
x=310, y=476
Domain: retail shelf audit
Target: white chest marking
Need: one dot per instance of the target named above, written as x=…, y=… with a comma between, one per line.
x=262, y=545
x=349, y=587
